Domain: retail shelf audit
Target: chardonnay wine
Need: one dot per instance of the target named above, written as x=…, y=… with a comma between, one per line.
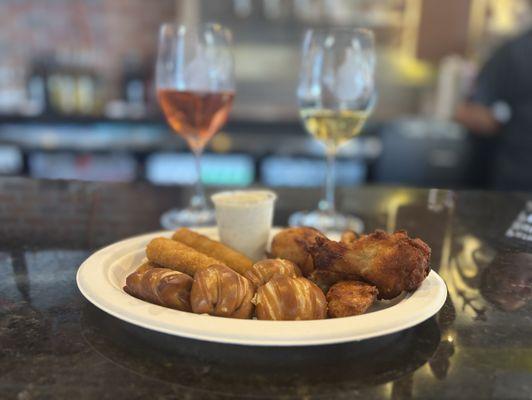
x=333, y=127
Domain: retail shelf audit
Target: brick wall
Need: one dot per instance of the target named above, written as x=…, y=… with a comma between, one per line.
x=107, y=30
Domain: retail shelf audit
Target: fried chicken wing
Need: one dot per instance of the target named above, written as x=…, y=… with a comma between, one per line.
x=349, y=298
x=392, y=262
x=293, y=244
x=324, y=279
x=349, y=237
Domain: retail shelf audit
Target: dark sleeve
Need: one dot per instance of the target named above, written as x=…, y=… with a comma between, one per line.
x=494, y=80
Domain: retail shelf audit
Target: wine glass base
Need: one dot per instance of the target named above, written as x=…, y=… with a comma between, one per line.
x=174, y=218
x=326, y=222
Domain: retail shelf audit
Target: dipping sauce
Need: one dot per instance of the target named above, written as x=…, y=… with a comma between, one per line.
x=244, y=219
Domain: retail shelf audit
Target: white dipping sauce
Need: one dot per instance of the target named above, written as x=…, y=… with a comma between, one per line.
x=244, y=219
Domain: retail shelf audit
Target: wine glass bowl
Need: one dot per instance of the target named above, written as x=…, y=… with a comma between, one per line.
x=195, y=88
x=197, y=116
x=336, y=95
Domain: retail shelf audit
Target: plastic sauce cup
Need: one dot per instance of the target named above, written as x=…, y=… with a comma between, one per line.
x=244, y=219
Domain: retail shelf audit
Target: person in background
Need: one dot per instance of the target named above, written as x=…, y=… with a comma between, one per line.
x=501, y=106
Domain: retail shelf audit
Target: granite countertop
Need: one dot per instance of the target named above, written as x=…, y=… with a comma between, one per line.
x=56, y=345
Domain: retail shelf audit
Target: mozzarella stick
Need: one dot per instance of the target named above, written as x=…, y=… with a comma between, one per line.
x=178, y=256
x=232, y=258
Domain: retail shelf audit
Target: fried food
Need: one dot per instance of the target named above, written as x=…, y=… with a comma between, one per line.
x=161, y=286
x=349, y=298
x=349, y=237
x=263, y=271
x=220, y=291
x=286, y=298
x=293, y=243
x=134, y=279
x=212, y=248
x=325, y=279
x=392, y=262
x=177, y=256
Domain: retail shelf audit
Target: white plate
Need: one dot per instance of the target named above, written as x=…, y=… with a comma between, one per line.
x=102, y=276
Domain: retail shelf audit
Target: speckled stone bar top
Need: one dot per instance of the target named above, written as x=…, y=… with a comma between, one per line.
x=56, y=345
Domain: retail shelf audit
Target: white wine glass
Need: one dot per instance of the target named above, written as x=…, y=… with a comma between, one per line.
x=195, y=88
x=336, y=95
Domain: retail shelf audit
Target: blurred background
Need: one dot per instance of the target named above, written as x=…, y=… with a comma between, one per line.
x=77, y=99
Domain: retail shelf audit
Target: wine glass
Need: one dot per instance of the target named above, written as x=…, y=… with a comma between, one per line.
x=336, y=95
x=195, y=88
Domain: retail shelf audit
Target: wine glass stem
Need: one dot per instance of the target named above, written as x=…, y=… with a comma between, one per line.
x=328, y=204
x=198, y=200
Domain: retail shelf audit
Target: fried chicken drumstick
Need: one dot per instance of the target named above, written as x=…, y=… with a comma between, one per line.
x=392, y=262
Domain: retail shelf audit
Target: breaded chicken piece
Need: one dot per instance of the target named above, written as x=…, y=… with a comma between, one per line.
x=325, y=279
x=349, y=298
x=293, y=243
x=392, y=262
x=349, y=237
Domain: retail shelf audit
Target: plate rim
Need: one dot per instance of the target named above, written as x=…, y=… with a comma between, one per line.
x=433, y=280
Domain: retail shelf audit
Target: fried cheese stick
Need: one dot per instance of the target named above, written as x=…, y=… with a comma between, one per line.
x=212, y=248
x=178, y=256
